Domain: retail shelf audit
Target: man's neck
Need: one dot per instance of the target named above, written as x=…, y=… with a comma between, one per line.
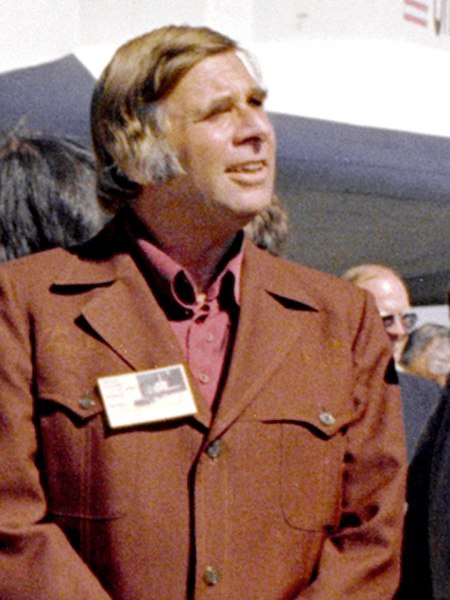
x=201, y=260
x=197, y=249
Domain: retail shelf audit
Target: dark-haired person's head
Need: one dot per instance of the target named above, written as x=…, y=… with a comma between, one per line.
x=47, y=194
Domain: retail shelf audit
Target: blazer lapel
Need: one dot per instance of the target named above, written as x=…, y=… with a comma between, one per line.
x=130, y=321
x=269, y=326
x=125, y=315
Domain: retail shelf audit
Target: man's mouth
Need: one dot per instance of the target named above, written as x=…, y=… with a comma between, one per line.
x=247, y=167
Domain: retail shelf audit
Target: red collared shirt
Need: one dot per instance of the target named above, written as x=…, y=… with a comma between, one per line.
x=204, y=329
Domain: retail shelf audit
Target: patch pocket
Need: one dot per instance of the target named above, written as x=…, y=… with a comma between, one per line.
x=312, y=471
x=309, y=454
x=312, y=458
x=88, y=470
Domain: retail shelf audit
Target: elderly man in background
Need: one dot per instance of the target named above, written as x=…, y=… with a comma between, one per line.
x=184, y=415
x=419, y=395
x=392, y=300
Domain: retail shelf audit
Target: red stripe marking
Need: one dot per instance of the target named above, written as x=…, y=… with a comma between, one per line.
x=415, y=20
x=419, y=5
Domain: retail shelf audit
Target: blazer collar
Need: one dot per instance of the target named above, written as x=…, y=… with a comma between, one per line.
x=99, y=261
x=287, y=285
x=108, y=256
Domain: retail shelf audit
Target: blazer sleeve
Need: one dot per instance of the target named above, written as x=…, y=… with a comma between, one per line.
x=361, y=558
x=36, y=559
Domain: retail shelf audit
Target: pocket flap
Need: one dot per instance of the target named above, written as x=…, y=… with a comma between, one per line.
x=83, y=405
x=323, y=415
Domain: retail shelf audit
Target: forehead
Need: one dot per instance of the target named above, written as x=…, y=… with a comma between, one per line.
x=390, y=294
x=227, y=73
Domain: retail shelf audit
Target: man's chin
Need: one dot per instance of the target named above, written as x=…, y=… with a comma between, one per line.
x=255, y=206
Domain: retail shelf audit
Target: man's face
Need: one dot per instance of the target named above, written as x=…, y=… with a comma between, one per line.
x=392, y=300
x=223, y=139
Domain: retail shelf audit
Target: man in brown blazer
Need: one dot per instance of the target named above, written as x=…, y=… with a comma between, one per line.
x=183, y=415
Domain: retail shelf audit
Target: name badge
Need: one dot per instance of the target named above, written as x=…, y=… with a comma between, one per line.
x=147, y=396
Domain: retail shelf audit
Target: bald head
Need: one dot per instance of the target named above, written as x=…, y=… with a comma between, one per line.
x=392, y=300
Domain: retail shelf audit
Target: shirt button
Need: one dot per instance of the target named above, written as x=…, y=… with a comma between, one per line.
x=215, y=449
x=327, y=418
x=211, y=576
x=209, y=337
x=204, y=378
x=86, y=403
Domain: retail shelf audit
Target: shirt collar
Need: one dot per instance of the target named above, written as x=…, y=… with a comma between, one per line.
x=178, y=282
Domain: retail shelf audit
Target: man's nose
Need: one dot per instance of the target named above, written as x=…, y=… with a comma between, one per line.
x=253, y=126
x=397, y=328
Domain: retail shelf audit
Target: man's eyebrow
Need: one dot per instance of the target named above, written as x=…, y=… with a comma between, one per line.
x=218, y=104
x=224, y=102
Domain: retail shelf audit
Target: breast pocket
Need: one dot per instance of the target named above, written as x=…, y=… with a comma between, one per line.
x=308, y=458
x=311, y=474
x=88, y=470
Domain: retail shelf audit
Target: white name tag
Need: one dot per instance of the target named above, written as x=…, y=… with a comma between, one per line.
x=147, y=396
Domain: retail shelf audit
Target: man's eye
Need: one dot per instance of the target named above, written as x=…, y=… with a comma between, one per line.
x=256, y=101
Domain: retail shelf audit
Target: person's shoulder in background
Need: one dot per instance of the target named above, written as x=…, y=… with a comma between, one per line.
x=419, y=399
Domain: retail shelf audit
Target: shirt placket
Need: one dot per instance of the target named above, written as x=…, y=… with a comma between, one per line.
x=209, y=328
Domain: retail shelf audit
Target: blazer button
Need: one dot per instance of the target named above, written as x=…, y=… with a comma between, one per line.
x=211, y=576
x=215, y=449
x=327, y=418
x=86, y=403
